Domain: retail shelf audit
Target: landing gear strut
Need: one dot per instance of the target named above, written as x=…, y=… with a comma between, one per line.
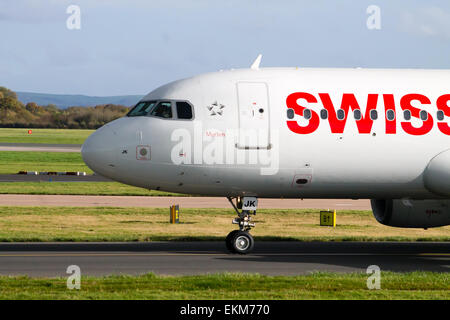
x=240, y=241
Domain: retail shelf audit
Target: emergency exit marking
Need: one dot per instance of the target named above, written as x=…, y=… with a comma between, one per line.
x=328, y=218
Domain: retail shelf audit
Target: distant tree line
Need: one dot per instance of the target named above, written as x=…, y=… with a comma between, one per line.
x=14, y=114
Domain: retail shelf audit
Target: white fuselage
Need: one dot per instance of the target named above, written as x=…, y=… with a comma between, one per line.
x=215, y=153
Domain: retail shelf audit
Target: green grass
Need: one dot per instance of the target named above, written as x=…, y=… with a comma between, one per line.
x=152, y=224
x=78, y=188
x=416, y=285
x=15, y=161
x=52, y=136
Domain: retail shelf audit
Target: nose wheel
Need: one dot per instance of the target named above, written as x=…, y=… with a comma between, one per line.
x=241, y=241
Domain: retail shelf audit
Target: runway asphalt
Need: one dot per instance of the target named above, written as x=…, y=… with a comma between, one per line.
x=188, y=258
x=184, y=202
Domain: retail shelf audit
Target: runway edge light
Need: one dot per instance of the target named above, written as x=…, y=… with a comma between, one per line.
x=175, y=214
x=328, y=218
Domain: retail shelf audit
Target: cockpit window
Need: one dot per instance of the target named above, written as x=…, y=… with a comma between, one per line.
x=141, y=109
x=184, y=110
x=162, y=110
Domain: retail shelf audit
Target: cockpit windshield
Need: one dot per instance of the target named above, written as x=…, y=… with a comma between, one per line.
x=163, y=109
x=141, y=109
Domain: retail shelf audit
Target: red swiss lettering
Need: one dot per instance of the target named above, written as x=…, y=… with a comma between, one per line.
x=389, y=104
x=405, y=104
x=349, y=102
x=442, y=104
x=291, y=102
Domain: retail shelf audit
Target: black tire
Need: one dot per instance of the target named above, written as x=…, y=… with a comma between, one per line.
x=228, y=240
x=242, y=242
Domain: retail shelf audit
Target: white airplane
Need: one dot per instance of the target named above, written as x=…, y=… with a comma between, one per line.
x=254, y=133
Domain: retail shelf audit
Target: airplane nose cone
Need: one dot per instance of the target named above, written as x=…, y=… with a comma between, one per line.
x=98, y=152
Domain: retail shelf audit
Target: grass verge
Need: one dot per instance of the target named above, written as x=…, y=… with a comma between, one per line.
x=15, y=161
x=52, y=136
x=79, y=188
x=151, y=224
x=416, y=285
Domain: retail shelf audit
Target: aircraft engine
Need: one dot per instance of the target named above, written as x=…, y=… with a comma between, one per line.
x=411, y=213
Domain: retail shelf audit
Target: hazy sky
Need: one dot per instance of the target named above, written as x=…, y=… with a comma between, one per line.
x=133, y=46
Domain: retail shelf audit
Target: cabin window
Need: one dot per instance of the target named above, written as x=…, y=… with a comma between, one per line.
x=440, y=115
x=324, y=114
x=390, y=115
x=407, y=115
x=184, y=110
x=307, y=114
x=373, y=114
x=423, y=115
x=141, y=109
x=341, y=114
x=357, y=114
x=290, y=113
x=162, y=110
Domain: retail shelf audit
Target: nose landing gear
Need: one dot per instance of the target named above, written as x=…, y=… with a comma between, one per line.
x=241, y=241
